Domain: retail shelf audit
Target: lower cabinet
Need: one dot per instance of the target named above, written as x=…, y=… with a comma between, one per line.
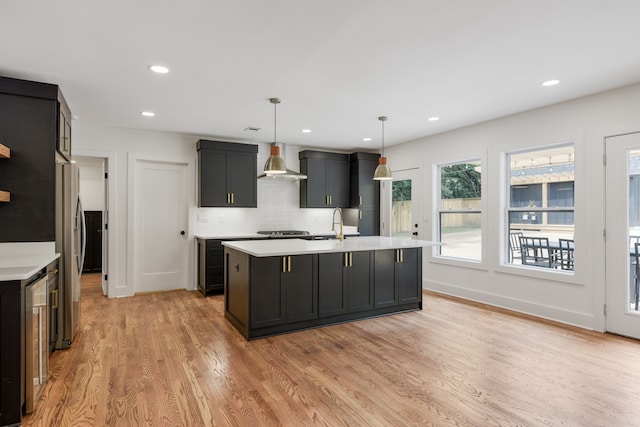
x=11, y=343
x=210, y=266
x=398, y=277
x=271, y=295
x=54, y=298
x=345, y=282
x=283, y=289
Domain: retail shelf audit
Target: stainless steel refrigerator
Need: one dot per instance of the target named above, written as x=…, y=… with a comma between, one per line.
x=70, y=243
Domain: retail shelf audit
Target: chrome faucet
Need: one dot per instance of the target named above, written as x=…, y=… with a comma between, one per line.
x=333, y=223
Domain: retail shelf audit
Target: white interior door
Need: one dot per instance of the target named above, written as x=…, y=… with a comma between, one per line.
x=160, y=230
x=622, y=224
x=405, y=208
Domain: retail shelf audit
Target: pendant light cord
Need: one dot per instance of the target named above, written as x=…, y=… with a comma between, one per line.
x=275, y=123
x=382, y=138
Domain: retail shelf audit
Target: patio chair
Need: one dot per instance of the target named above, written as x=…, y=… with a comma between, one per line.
x=566, y=254
x=535, y=251
x=514, y=245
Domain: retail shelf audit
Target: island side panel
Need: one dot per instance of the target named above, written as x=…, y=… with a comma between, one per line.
x=236, y=289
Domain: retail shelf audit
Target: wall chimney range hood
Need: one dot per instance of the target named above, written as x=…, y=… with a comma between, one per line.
x=289, y=175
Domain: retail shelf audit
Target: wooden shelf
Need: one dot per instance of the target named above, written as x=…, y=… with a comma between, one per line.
x=5, y=196
x=5, y=152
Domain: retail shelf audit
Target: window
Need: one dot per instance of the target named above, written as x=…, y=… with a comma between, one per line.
x=541, y=205
x=459, y=213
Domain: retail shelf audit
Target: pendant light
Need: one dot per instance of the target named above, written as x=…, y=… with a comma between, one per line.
x=275, y=163
x=382, y=173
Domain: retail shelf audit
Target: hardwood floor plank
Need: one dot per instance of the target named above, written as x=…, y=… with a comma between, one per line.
x=171, y=359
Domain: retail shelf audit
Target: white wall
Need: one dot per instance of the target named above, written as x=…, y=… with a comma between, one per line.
x=278, y=201
x=576, y=300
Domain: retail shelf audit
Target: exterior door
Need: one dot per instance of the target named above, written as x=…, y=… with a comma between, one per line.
x=623, y=228
x=405, y=209
x=160, y=230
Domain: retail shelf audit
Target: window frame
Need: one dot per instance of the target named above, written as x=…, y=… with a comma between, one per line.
x=437, y=257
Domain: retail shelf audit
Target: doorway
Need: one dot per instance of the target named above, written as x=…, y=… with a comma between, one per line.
x=405, y=209
x=94, y=191
x=622, y=219
x=160, y=219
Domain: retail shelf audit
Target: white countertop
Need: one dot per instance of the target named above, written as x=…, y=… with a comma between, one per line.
x=221, y=236
x=23, y=267
x=274, y=247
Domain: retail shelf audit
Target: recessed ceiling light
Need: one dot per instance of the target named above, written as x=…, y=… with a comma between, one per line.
x=366, y=139
x=550, y=82
x=148, y=113
x=434, y=119
x=160, y=69
x=306, y=130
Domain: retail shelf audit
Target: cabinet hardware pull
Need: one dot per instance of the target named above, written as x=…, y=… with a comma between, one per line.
x=397, y=255
x=401, y=255
x=346, y=259
x=350, y=259
x=228, y=198
x=326, y=200
x=284, y=264
x=360, y=214
x=54, y=272
x=289, y=264
x=232, y=198
x=55, y=299
x=360, y=199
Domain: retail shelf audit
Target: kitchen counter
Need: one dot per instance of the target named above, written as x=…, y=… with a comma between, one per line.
x=222, y=236
x=276, y=247
x=19, y=261
x=277, y=286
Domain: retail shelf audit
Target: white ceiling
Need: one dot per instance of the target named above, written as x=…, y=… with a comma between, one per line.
x=337, y=65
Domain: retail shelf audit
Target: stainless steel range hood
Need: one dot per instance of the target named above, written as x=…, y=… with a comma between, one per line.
x=290, y=175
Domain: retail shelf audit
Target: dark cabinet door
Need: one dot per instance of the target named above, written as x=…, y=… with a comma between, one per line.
x=327, y=183
x=54, y=300
x=93, y=251
x=410, y=275
x=386, y=290
x=369, y=221
x=300, y=285
x=359, y=281
x=213, y=178
x=210, y=266
x=228, y=174
x=365, y=193
x=242, y=181
x=332, y=292
x=337, y=183
x=267, y=294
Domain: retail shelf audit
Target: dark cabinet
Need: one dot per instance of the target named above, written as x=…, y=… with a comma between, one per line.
x=327, y=183
x=283, y=290
x=93, y=251
x=345, y=283
x=227, y=174
x=29, y=123
x=12, y=353
x=398, y=277
x=365, y=192
x=210, y=266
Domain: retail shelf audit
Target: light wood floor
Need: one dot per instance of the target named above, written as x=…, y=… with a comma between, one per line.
x=171, y=359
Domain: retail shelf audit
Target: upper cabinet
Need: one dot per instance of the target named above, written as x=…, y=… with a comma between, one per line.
x=327, y=183
x=29, y=124
x=227, y=173
x=365, y=192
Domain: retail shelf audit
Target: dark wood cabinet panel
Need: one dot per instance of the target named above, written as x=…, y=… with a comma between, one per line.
x=54, y=299
x=93, y=252
x=345, y=282
x=30, y=125
x=227, y=174
x=332, y=292
x=11, y=343
x=300, y=284
x=210, y=266
x=359, y=281
x=398, y=277
x=327, y=183
x=365, y=192
x=267, y=294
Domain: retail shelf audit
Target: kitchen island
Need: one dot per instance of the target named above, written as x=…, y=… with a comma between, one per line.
x=278, y=286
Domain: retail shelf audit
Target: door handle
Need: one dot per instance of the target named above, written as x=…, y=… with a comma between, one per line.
x=182, y=232
x=415, y=233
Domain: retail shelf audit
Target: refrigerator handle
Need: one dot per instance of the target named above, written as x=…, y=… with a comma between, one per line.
x=83, y=238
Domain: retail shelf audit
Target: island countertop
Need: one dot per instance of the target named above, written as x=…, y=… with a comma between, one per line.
x=268, y=248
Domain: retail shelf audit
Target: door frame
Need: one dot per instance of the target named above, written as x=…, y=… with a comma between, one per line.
x=133, y=159
x=110, y=284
